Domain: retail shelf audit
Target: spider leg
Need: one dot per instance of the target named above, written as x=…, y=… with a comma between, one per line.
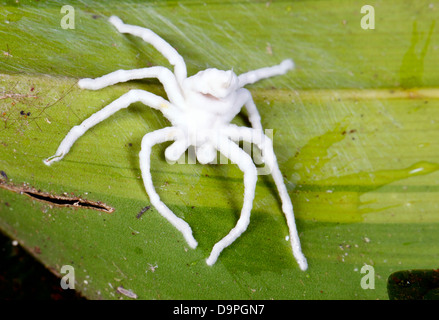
x=176, y=150
x=161, y=45
x=265, y=144
x=148, y=141
x=245, y=98
x=263, y=73
x=124, y=101
x=164, y=75
x=245, y=163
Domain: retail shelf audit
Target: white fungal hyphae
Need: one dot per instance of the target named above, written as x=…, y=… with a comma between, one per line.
x=200, y=109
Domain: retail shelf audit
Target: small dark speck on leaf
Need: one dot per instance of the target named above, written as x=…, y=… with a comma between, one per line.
x=350, y=131
x=142, y=212
x=24, y=113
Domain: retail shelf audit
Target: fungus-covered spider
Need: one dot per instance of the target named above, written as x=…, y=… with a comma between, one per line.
x=200, y=109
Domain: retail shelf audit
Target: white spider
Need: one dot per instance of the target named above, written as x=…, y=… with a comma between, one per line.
x=200, y=109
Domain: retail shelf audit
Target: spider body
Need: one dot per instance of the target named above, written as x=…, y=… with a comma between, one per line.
x=211, y=101
x=200, y=109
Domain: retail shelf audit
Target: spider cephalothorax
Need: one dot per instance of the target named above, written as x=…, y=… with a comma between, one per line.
x=200, y=109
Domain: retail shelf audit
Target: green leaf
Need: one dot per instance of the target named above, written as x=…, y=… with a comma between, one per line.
x=355, y=133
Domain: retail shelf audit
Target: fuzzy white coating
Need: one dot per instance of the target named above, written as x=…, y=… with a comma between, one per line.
x=200, y=109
